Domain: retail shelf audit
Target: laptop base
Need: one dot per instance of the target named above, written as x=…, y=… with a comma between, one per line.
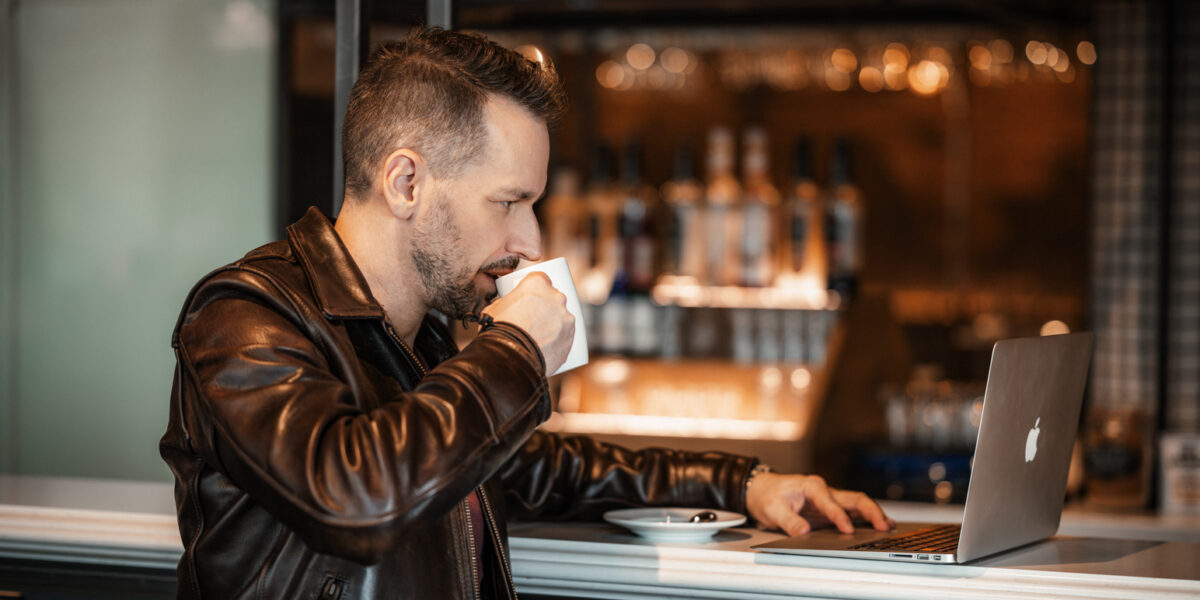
x=832, y=543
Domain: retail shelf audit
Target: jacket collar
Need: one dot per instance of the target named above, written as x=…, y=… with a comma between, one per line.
x=339, y=287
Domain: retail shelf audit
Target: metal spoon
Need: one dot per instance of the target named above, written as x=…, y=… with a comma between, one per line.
x=703, y=517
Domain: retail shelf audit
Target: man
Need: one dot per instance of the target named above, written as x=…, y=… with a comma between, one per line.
x=327, y=438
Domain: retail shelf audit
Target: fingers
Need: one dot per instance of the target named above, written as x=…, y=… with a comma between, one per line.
x=866, y=509
x=540, y=283
x=874, y=515
x=823, y=501
x=797, y=503
x=534, y=278
x=533, y=306
x=782, y=516
x=535, y=286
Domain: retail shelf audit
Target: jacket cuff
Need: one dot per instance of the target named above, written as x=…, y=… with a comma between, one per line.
x=714, y=479
x=744, y=466
x=520, y=336
x=520, y=343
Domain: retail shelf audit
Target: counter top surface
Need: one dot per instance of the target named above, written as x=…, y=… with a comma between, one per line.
x=556, y=558
x=1094, y=556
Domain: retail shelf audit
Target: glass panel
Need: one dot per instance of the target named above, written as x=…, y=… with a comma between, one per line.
x=144, y=161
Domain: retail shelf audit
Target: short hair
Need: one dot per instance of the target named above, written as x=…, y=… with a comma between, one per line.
x=428, y=93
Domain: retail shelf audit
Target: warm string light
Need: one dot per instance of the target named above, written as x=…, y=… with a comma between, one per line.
x=994, y=63
x=640, y=66
x=922, y=68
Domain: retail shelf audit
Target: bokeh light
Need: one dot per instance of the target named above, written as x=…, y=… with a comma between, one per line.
x=1086, y=52
x=928, y=77
x=895, y=76
x=980, y=57
x=844, y=60
x=640, y=56
x=1001, y=50
x=871, y=79
x=1036, y=52
x=675, y=60
x=837, y=80
x=896, y=54
x=1055, y=327
x=610, y=74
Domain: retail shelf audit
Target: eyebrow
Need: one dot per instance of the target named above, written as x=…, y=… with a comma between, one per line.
x=517, y=193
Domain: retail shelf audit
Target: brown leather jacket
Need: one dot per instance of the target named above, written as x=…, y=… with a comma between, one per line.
x=315, y=457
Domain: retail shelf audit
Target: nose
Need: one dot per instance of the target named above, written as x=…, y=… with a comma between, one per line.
x=526, y=239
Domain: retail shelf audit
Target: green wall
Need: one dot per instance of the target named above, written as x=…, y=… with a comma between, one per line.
x=143, y=160
x=8, y=228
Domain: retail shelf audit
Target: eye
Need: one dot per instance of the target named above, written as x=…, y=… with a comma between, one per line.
x=506, y=204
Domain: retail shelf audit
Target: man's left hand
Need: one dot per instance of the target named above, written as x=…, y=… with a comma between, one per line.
x=797, y=503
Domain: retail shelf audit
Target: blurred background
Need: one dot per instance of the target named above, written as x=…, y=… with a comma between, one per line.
x=799, y=226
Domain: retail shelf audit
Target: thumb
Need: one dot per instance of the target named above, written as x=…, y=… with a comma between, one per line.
x=787, y=520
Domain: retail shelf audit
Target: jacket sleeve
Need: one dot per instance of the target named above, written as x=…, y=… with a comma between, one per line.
x=556, y=477
x=266, y=406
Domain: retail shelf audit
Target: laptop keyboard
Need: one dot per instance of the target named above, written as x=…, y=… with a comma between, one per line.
x=940, y=539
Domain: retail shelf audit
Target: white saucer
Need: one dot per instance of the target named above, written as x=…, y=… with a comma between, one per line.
x=671, y=524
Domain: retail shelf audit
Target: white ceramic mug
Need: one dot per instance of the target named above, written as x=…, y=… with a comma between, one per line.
x=560, y=277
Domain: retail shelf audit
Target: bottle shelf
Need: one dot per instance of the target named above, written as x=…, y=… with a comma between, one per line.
x=686, y=292
x=761, y=409
x=687, y=398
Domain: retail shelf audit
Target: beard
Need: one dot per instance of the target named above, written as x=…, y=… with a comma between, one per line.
x=449, y=282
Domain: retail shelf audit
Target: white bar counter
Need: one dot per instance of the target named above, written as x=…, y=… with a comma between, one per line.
x=596, y=561
x=132, y=524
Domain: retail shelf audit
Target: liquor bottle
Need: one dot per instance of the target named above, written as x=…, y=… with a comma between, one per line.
x=768, y=325
x=760, y=205
x=843, y=231
x=637, y=243
x=801, y=250
x=683, y=197
x=566, y=223
x=741, y=343
x=603, y=206
x=636, y=225
x=568, y=234
x=603, y=284
x=722, y=221
x=613, y=317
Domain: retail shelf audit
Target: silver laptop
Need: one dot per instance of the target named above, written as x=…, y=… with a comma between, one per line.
x=1019, y=474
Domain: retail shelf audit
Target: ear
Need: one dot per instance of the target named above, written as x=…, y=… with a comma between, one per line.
x=404, y=175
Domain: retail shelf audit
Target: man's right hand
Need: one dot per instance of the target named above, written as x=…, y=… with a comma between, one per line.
x=539, y=309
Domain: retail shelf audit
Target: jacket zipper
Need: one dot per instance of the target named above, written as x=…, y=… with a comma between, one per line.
x=403, y=346
x=466, y=505
x=491, y=524
x=474, y=552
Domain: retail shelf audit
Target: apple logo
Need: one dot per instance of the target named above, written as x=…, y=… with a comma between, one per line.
x=1031, y=441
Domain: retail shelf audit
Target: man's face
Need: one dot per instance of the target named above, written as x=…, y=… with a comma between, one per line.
x=481, y=223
